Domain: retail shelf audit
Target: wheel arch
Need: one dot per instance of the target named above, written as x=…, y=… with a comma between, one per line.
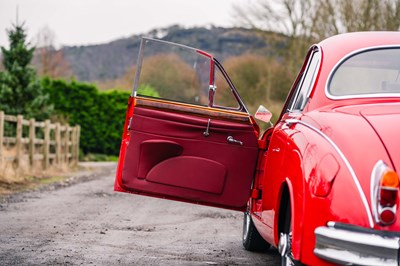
x=284, y=203
x=287, y=201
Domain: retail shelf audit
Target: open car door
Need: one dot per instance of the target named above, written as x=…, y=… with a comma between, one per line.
x=187, y=134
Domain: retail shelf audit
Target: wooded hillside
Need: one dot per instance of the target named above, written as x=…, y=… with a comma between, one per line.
x=111, y=60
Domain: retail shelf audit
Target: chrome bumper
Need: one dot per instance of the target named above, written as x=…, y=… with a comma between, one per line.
x=353, y=245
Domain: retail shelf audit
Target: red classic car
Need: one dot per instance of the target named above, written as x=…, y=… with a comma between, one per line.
x=320, y=186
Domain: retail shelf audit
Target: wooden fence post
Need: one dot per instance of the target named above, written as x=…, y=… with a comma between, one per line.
x=1, y=137
x=58, y=144
x=73, y=141
x=18, y=140
x=32, y=137
x=46, y=144
x=77, y=138
x=67, y=135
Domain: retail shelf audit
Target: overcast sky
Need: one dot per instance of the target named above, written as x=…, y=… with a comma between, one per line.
x=82, y=22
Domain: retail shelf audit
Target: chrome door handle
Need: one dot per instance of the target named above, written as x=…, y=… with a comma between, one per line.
x=230, y=139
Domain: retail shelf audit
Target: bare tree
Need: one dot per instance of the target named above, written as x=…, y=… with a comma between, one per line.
x=363, y=15
x=49, y=61
x=308, y=21
x=316, y=19
x=293, y=18
x=1, y=63
x=339, y=16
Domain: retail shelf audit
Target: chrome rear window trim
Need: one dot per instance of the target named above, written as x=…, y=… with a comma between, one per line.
x=358, y=96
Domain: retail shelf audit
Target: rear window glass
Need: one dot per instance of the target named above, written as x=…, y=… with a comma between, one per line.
x=367, y=74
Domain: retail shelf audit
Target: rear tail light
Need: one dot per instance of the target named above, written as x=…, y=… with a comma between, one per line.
x=387, y=216
x=384, y=193
x=388, y=188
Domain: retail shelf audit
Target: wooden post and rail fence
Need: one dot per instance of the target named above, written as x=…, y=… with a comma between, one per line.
x=37, y=142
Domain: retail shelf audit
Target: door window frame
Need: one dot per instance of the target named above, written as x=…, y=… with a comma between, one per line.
x=214, y=63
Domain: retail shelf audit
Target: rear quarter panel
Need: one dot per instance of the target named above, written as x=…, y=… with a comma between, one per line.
x=304, y=168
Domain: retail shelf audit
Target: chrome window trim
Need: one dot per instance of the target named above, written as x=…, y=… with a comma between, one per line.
x=318, y=50
x=347, y=163
x=358, y=96
x=315, y=49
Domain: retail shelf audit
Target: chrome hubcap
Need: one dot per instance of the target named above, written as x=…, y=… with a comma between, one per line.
x=282, y=245
x=246, y=225
x=285, y=248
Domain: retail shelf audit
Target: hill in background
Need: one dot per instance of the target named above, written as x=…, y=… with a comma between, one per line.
x=110, y=61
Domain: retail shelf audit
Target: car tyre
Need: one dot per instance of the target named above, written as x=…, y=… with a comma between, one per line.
x=252, y=240
x=285, y=240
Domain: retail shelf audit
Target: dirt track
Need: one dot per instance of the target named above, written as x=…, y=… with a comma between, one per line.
x=83, y=222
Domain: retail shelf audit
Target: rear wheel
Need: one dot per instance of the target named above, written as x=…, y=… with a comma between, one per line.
x=251, y=239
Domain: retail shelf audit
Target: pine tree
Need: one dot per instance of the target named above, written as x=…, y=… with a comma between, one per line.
x=20, y=90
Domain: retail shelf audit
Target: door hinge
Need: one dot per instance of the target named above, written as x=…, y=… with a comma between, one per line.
x=262, y=144
x=255, y=194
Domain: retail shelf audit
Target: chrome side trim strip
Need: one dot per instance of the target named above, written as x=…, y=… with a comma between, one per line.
x=347, y=163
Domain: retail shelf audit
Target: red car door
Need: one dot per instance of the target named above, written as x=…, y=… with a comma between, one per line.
x=189, y=137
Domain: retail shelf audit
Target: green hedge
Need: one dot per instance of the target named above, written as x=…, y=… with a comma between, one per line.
x=101, y=115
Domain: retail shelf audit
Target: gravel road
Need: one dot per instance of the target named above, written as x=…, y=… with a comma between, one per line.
x=83, y=222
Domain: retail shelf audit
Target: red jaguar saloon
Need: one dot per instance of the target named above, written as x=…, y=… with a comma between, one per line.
x=321, y=185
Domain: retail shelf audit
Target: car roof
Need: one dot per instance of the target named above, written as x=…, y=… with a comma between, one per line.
x=337, y=47
x=343, y=44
